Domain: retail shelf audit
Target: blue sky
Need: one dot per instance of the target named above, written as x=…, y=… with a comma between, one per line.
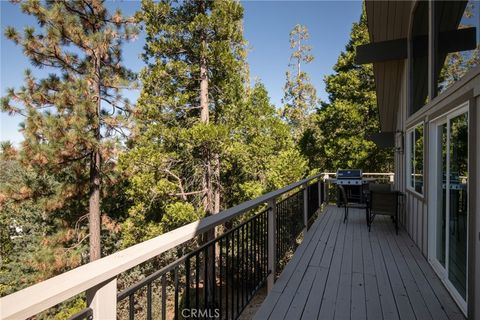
x=267, y=26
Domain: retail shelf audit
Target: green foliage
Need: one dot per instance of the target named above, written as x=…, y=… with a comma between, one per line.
x=248, y=144
x=457, y=64
x=300, y=97
x=38, y=243
x=173, y=147
x=339, y=136
x=262, y=155
x=75, y=112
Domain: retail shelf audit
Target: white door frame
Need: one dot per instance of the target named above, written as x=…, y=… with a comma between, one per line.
x=433, y=204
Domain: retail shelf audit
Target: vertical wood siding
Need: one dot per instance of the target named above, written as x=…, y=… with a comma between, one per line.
x=414, y=216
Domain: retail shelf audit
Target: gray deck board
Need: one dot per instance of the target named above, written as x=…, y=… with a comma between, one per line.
x=358, y=306
x=342, y=271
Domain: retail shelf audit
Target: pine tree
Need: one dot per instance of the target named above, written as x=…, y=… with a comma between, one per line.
x=195, y=55
x=300, y=97
x=339, y=135
x=262, y=154
x=73, y=118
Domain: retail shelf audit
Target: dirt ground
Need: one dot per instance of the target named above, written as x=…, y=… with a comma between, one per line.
x=254, y=305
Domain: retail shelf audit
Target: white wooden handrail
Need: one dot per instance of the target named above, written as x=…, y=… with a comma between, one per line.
x=365, y=173
x=39, y=297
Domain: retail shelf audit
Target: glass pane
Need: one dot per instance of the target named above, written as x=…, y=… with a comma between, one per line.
x=458, y=203
x=412, y=159
x=454, y=15
x=441, y=192
x=418, y=161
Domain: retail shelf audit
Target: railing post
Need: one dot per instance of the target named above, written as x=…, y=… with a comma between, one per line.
x=272, y=245
x=305, y=206
x=319, y=192
x=326, y=185
x=391, y=176
x=102, y=299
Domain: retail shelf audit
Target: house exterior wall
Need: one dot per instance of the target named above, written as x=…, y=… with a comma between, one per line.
x=417, y=214
x=420, y=210
x=417, y=211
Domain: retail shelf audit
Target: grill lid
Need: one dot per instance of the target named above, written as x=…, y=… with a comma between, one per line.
x=349, y=174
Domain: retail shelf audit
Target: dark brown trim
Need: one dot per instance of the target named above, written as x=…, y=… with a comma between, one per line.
x=432, y=49
x=382, y=51
x=449, y=41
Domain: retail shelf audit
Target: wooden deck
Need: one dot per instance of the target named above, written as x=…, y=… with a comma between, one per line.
x=341, y=271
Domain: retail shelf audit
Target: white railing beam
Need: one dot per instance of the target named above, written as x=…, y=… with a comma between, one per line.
x=102, y=299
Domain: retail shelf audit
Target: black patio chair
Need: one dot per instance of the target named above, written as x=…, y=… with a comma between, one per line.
x=382, y=201
x=343, y=201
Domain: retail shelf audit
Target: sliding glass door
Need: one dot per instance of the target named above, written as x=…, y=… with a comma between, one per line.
x=449, y=197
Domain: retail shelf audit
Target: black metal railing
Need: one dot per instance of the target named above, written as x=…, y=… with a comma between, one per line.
x=289, y=225
x=313, y=202
x=85, y=314
x=217, y=280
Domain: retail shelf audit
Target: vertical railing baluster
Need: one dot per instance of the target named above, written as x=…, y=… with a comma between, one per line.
x=238, y=272
x=264, y=248
x=250, y=248
x=265, y=244
x=242, y=265
x=197, y=279
x=187, y=283
x=220, y=293
x=205, y=278
x=213, y=281
x=246, y=279
x=305, y=207
x=251, y=267
x=271, y=242
x=175, y=274
x=131, y=307
x=256, y=258
x=164, y=296
x=233, y=271
x=149, y=301
x=227, y=272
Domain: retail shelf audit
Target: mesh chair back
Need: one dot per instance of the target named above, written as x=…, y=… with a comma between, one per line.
x=343, y=195
x=380, y=187
x=384, y=203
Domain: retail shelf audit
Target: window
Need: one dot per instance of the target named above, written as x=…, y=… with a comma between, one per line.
x=453, y=62
x=415, y=158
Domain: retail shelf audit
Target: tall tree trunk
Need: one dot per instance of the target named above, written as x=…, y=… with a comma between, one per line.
x=95, y=179
x=208, y=204
x=209, y=198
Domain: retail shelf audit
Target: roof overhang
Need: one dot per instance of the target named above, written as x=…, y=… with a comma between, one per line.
x=388, y=22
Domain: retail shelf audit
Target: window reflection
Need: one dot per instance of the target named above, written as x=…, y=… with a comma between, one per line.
x=453, y=15
x=416, y=140
x=458, y=203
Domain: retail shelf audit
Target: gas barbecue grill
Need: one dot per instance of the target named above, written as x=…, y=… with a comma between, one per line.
x=354, y=184
x=350, y=177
